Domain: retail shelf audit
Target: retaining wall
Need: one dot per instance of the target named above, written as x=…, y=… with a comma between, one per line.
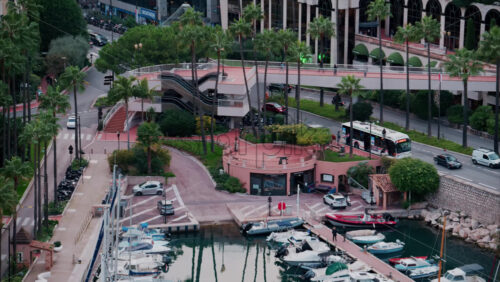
x=476, y=201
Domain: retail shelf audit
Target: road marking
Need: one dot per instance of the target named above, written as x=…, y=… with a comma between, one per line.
x=61, y=228
x=153, y=218
x=32, y=222
x=179, y=208
x=174, y=199
x=93, y=161
x=26, y=221
x=463, y=177
x=487, y=185
x=168, y=190
x=71, y=210
x=59, y=135
x=314, y=206
x=322, y=209
x=177, y=195
x=87, y=176
x=137, y=214
x=66, y=135
x=78, y=194
x=89, y=137
x=99, y=137
x=82, y=136
x=142, y=202
x=357, y=208
x=179, y=218
x=73, y=136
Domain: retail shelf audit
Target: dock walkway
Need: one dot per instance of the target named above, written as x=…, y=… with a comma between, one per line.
x=355, y=251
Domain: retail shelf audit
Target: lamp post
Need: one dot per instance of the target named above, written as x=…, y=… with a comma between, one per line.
x=137, y=47
x=370, y=145
x=269, y=201
x=118, y=135
x=164, y=212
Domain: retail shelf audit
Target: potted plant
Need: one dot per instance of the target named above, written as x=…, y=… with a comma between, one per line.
x=57, y=246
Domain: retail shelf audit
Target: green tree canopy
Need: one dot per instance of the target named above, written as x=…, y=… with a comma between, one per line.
x=414, y=175
x=360, y=173
x=73, y=48
x=478, y=119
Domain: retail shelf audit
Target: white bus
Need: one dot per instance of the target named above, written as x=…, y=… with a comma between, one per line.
x=377, y=139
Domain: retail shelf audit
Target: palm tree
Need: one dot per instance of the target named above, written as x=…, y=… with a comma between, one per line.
x=378, y=10
x=405, y=35
x=5, y=101
x=252, y=14
x=350, y=86
x=8, y=202
x=49, y=131
x=123, y=90
x=220, y=42
x=72, y=76
x=321, y=28
x=191, y=17
x=489, y=49
x=57, y=102
x=148, y=135
x=15, y=169
x=298, y=52
x=286, y=38
x=141, y=90
x=241, y=29
x=266, y=43
x=463, y=65
x=428, y=29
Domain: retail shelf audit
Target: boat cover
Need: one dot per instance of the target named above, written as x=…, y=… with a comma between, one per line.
x=334, y=267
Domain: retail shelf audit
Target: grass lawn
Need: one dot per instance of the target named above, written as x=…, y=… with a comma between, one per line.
x=23, y=184
x=327, y=110
x=331, y=156
x=45, y=234
x=210, y=160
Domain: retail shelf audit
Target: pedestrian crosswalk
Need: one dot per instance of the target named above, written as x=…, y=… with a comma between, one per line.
x=68, y=136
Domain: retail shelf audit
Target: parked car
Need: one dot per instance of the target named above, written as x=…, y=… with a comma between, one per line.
x=279, y=87
x=275, y=108
x=485, y=157
x=71, y=123
x=335, y=201
x=165, y=207
x=148, y=188
x=448, y=161
x=98, y=39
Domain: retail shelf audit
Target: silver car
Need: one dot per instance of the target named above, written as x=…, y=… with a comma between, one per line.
x=148, y=188
x=335, y=201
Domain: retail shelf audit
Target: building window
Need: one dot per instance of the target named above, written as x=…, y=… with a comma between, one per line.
x=267, y=184
x=327, y=178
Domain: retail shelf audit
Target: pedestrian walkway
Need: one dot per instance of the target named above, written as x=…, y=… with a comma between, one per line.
x=77, y=230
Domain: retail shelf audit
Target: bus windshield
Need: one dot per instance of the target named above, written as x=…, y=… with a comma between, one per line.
x=403, y=147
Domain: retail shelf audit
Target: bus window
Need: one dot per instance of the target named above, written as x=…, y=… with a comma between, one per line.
x=391, y=148
x=402, y=147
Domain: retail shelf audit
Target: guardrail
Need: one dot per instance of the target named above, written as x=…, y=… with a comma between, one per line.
x=111, y=112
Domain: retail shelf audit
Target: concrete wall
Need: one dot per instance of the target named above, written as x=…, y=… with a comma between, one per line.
x=458, y=195
x=337, y=169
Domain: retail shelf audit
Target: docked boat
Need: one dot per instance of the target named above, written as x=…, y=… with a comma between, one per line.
x=466, y=273
x=364, y=220
x=334, y=272
x=386, y=247
x=312, y=259
x=395, y=261
x=412, y=263
x=365, y=236
x=423, y=272
x=145, y=266
x=147, y=248
x=291, y=236
x=265, y=227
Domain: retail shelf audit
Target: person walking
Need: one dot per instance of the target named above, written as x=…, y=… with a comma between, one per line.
x=334, y=233
x=344, y=232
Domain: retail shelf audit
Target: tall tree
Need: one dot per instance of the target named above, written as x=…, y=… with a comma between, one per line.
x=148, y=135
x=49, y=131
x=16, y=170
x=298, y=53
x=241, y=29
x=286, y=38
x=378, y=10
x=489, y=50
x=73, y=77
x=350, y=86
x=5, y=101
x=57, y=103
x=463, y=65
x=8, y=202
x=405, y=35
x=266, y=43
x=220, y=43
x=253, y=13
x=321, y=28
x=428, y=29
x=123, y=90
x=142, y=91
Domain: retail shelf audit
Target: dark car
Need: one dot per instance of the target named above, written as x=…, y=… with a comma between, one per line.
x=275, y=108
x=275, y=87
x=447, y=161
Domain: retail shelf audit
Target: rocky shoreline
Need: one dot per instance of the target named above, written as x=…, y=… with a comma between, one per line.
x=460, y=225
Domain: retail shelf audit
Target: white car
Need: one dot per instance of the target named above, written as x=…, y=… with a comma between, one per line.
x=335, y=201
x=485, y=157
x=71, y=124
x=148, y=188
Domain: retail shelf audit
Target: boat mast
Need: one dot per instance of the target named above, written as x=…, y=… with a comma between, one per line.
x=442, y=247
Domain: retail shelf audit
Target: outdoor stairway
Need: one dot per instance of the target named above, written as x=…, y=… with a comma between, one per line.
x=117, y=121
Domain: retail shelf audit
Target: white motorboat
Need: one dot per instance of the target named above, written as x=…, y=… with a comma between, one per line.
x=386, y=247
x=466, y=273
x=333, y=272
x=292, y=236
x=140, y=267
x=412, y=263
x=147, y=248
x=365, y=236
x=312, y=258
x=423, y=272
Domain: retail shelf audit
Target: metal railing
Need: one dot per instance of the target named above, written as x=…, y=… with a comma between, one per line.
x=111, y=113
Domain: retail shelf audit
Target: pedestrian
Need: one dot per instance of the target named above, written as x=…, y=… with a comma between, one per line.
x=335, y=69
x=334, y=233
x=338, y=137
x=343, y=232
x=282, y=66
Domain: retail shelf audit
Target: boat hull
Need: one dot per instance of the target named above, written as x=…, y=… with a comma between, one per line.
x=359, y=225
x=386, y=251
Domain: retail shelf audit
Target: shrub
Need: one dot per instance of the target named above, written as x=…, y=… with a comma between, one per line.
x=446, y=101
x=177, y=123
x=300, y=134
x=233, y=185
x=360, y=173
x=361, y=111
x=420, y=104
x=414, y=175
x=206, y=124
x=57, y=244
x=478, y=120
x=490, y=125
x=455, y=114
x=78, y=163
x=103, y=102
x=134, y=162
x=387, y=163
x=392, y=98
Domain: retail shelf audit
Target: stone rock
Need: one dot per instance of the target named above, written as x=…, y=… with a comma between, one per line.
x=463, y=233
x=468, y=220
x=493, y=232
x=453, y=215
x=474, y=223
x=463, y=214
x=469, y=240
x=455, y=219
x=493, y=246
x=449, y=227
x=483, y=232
x=424, y=213
x=485, y=239
x=410, y=217
x=492, y=227
x=456, y=228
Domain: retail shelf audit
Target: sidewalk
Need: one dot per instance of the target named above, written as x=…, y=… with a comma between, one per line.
x=96, y=180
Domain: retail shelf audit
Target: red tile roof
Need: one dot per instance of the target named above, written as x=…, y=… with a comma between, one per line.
x=383, y=182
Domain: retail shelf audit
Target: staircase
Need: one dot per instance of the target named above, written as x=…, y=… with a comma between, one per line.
x=117, y=121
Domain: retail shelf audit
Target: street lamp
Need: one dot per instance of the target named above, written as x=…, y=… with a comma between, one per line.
x=118, y=135
x=137, y=47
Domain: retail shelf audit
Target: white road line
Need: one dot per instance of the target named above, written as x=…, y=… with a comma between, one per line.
x=168, y=190
x=179, y=218
x=32, y=222
x=487, y=185
x=82, y=136
x=322, y=209
x=73, y=136
x=143, y=201
x=357, y=208
x=463, y=177
x=87, y=176
x=153, y=218
x=89, y=137
x=179, y=208
x=137, y=214
x=255, y=210
x=314, y=206
x=26, y=221
x=59, y=135
x=177, y=195
x=66, y=135
x=99, y=137
x=18, y=220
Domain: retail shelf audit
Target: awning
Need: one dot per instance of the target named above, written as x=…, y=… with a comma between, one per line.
x=377, y=54
x=396, y=59
x=414, y=62
x=360, y=50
